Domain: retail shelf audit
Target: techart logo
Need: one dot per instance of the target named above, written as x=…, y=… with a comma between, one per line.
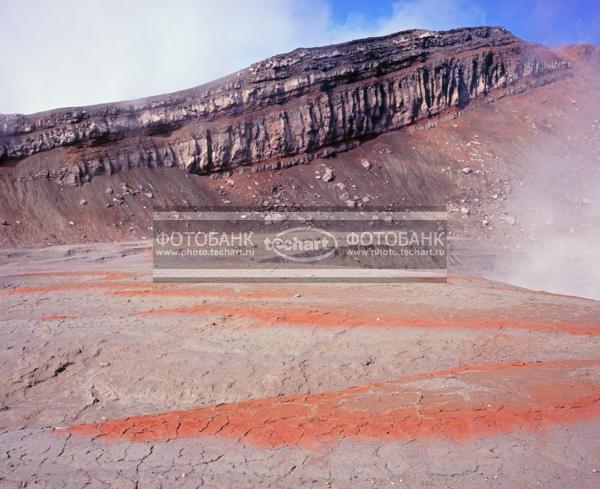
x=303, y=244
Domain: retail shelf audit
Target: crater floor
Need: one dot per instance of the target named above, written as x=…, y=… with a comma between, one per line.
x=109, y=380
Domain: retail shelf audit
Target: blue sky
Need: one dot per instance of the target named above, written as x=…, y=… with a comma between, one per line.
x=552, y=22
x=62, y=53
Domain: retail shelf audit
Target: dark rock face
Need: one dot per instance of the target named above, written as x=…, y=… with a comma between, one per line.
x=284, y=110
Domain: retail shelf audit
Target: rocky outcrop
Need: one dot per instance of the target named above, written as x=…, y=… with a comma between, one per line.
x=284, y=110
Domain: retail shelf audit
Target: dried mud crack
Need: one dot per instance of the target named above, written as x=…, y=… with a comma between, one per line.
x=256, y=385
x=460, y=404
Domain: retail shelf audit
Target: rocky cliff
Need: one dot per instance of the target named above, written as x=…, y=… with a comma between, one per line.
x=285, y=110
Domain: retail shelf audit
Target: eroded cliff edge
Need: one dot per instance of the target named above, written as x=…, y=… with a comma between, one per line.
x=285, y=110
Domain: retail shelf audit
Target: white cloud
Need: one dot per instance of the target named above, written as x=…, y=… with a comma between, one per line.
x=434, y=14
x=413, y=14
x=58, y=53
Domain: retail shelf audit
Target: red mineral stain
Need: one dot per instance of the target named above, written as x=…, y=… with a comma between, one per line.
x=349, y=318
x=141, y=289
x=461, y=404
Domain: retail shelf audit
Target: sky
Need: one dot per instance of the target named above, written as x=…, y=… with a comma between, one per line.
x=62, y=53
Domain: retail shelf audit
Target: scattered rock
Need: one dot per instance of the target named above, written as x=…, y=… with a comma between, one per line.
x=328, y=176
x=4, y=222
x=109, y=191
x=83, y=202
x=467, y=170
x=71, y=223
x=350, y=203
x=150, y=195
x=366, y=164
x=465, y=211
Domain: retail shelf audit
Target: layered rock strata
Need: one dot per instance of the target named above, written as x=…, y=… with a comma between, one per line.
x=284, y=110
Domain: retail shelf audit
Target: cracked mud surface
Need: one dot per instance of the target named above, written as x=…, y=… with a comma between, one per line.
x=111, y=381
